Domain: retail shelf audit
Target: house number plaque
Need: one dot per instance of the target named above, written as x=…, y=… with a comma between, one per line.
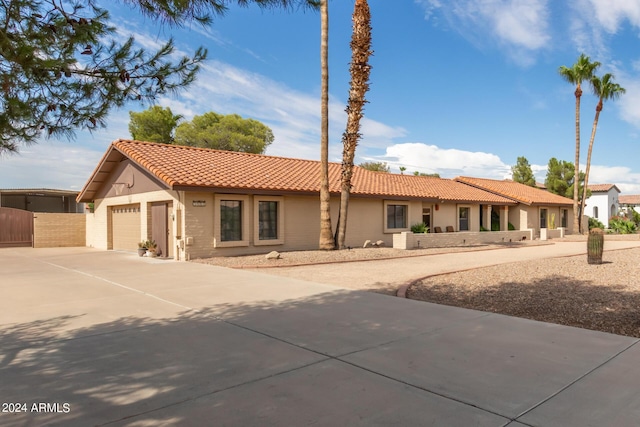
x=199, y=203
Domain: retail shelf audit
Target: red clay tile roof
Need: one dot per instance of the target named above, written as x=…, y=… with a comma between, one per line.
x=443, y=189
x=191, y=168
x=597, y=188
x=631, y=199
x=516, y=191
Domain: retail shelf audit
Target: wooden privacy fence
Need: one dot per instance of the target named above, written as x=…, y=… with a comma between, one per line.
x=16, y=228
x=19, y=228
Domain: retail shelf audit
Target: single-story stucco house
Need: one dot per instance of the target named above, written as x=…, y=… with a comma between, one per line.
x=199, y=203
x=603, y=202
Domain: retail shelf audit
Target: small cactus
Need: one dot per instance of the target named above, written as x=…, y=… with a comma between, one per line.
x=595, y=246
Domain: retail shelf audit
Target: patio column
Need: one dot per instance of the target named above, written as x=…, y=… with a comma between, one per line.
x=487, y=218
x=504, y=218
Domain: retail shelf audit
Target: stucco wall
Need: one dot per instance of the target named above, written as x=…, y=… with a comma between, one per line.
x=524, y=217
x=604, y=202
x=51, y=230
x=444, y=216
x=301, y=224
x=408, y=240
x=100, y=236
x=194, y=221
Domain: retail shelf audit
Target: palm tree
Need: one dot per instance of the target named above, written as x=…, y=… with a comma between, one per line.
x=360, y=71
x=582, y=70
x=605, y=89
x=326, y=237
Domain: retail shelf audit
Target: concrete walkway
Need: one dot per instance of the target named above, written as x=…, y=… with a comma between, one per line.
x=106, y=338
x=390, y=274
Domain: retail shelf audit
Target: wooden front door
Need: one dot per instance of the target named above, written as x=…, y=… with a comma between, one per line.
x=160, y=227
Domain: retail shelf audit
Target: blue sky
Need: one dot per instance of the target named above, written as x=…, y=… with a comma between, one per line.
x=458, y=87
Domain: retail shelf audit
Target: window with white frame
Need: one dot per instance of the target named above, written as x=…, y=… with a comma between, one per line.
x=268, y=220
x=595, y=212
x=231, y=220
x=396, y=216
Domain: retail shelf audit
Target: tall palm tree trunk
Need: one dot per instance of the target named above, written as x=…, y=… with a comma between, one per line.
x=586, y=173
x=577, y=223
x=360, y=71
x=326, y=236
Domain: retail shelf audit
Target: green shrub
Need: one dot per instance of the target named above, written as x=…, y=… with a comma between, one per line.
x=419, y=227
x=594, y=223
x=483, y=229
x=510, y=227
x=622, y=225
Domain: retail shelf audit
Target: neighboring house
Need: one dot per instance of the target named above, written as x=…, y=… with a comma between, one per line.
x=201, y=203
x=628, y=202
x=41, y=200
x=536, y=208
x=603, y=202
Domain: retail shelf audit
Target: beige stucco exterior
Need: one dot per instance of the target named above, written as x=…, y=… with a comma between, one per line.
x=194, y=217
x=527, y=217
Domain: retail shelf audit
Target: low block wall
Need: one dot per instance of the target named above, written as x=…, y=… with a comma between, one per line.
x=54, y=230
x=409, y=240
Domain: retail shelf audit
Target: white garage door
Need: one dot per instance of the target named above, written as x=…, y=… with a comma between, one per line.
x=125, y=226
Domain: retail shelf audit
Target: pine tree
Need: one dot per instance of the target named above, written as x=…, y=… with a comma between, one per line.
x=522, y=172
x=63, y=68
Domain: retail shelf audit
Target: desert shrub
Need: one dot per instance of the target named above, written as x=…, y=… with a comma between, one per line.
x=419, y=227
x=621, y=225
x=510, y=227
x=594, y=223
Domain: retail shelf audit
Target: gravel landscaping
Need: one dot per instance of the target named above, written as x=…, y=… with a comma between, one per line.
x=566, y=291
x=288, y=259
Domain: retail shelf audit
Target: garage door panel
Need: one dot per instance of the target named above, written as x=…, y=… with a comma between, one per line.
x=125, y=224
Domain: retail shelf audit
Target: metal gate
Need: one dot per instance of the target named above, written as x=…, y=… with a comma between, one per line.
x=16, y=228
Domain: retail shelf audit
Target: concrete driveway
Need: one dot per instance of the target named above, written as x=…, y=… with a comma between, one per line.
x=89, y=337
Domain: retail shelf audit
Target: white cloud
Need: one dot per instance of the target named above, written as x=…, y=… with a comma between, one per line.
x=520, y=26
x=55, y=164
x=611, y=13
x=447, y=162
x=629, y=103
x=593, y=22
x=627, y=181
x=293, y=116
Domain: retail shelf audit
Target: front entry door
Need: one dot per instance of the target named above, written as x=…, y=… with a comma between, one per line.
x=160, y=227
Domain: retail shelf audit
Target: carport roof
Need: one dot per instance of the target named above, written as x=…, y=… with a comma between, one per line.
x=189, y=168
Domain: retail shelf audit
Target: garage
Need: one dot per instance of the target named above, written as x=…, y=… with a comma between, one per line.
x=125, y=227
